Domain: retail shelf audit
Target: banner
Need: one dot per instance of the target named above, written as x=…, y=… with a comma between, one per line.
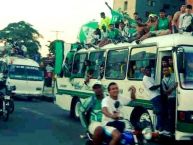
x=59, y=56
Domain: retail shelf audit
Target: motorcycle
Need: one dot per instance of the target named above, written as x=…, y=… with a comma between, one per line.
x=4, y=111
x=130, y=136
x=9, y=99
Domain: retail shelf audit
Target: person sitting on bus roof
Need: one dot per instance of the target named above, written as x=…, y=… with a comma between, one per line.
x=151, y=25
x=154, y=96
x=114, y=34
x=111, y=112
x=92, y=107
x=169, y=88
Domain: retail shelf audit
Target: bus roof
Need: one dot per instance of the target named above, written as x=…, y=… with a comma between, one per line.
x=161, y=41
x=20, y=61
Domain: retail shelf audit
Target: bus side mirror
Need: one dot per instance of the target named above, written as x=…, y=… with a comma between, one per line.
x=5, y=72
x=180, y=62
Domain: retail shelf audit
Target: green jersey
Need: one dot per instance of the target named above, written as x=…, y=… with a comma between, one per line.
x=114, y=34
x=96, y=112
x=163, y=24
x=116, y=17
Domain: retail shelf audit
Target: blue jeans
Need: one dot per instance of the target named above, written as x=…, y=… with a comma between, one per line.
x=157, y=108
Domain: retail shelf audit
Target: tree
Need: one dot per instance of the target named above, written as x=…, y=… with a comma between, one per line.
x=24, y=34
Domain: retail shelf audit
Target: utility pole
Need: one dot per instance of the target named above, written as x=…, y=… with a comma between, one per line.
x=57, y=33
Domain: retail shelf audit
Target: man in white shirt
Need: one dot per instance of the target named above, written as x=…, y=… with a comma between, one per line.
x=185, y=20
x=154, y=96
x=111, y=112
x=169, y=88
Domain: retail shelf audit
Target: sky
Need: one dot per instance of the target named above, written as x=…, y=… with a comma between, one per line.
x=48, y=16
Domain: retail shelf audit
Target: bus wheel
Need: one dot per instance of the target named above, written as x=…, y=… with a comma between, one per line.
x=74, y=110
x=140, y=118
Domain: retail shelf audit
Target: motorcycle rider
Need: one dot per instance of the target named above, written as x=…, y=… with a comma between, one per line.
x=113, y=126
x=93, y=105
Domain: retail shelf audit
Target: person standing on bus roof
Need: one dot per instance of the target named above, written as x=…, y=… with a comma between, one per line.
x=154, y=96
x=169, y=88
x=105, y=21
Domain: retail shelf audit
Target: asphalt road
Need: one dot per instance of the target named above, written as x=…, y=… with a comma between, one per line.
x=43, y=123
x=40, y=123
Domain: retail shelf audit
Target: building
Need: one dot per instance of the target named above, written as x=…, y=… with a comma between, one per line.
x=144, y=7
x=189, y=2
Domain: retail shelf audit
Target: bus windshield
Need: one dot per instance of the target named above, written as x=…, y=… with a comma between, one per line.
x=25, y=73
x=186, y=74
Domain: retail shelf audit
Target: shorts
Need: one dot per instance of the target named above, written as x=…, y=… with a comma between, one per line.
x=93, y=125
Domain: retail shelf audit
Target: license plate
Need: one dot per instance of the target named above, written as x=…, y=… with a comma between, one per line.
x=7, y=97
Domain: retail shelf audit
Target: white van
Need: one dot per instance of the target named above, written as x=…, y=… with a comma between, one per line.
x=26, y=75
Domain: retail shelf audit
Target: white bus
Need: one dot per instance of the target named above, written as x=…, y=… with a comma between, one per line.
x=25, y=75
x=124, y=63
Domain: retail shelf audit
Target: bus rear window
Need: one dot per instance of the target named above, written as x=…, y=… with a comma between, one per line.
x=116, y=64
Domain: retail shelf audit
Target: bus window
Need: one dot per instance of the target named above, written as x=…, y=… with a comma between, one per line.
x=139, y=59
x=67, y=67
x=97, y=62
x=116, y=64
x=79, y=67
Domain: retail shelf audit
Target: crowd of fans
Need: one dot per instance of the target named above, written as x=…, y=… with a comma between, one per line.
x=122, y=28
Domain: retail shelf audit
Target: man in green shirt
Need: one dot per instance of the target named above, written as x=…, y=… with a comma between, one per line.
x=114, y=33
x=94, y=105
x=163, y=22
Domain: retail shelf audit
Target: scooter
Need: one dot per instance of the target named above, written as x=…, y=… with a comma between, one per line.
x=130, y=136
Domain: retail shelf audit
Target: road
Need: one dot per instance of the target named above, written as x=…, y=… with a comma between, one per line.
x=40, y=123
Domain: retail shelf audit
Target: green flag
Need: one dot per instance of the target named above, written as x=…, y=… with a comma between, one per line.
x=59, y=56
x=116, y=17
x=87, y=30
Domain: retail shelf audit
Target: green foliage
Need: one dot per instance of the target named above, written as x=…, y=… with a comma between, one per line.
x=24, y=34
x=53, y=45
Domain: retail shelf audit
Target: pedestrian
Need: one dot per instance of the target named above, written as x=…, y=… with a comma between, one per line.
x=186, y=20
x=169, y=88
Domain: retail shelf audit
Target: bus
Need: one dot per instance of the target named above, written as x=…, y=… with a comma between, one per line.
x=25, y=74
x=124, y=63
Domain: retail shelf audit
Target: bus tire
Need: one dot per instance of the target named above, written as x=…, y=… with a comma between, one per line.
x=140, y=118
x=74, y=108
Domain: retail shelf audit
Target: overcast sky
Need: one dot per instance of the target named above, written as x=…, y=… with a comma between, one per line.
x=50, y=15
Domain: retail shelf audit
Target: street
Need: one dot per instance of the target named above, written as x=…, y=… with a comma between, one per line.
x=40, y=123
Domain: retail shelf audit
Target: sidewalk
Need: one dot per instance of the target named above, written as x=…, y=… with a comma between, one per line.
x=48, y=94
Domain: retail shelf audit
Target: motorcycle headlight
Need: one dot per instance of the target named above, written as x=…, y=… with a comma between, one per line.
x=147, y=133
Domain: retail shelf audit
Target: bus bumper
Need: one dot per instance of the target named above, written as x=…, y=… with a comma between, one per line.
x=184, y=136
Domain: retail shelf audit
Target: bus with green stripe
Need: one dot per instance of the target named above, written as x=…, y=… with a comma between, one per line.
x=124, y=64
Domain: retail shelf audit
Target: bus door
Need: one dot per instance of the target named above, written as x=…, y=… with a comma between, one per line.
x=183, y=58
